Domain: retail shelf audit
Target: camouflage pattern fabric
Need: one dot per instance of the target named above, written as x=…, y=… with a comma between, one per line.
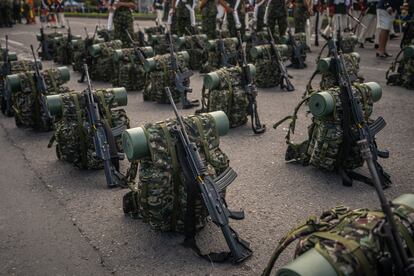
x=17, y=66
x=28, y=112
x=102, y=67
x=348, y=43
x=80, y=53
x=160, y=198
x=267, y=68
x=213, y=56
x=277, y=17
x=195, y=45
x=408, y=37
x=123, y=21
x=74, y=144
x=347, y=238
x=162, y=77
x=231, y=24
x=160, y=43
x=154, y=30
x=322, y=149
x=181, y=18
x=129, y=72
x=6, y=13
x=300, y=15
x=256, y=39
x=208, y=19
x=228, y=97
x=401, y=72
x=105, y=34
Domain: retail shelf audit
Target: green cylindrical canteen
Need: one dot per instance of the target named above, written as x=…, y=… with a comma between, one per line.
x=310, y=263
x=95, y=50
x=149, y=64
x=321, y=104
x=64, y=73
x=409, y=52
x=405, y=199
x=13, y=83
x=376, y=90
x=324, y=64
x=120, y=95
x=135, y=144
x=54, y=105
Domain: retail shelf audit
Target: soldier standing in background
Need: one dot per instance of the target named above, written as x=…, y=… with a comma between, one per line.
x=60, y=15
x=370, y=21
x=300, y=16
x=181, y=16
x=16, y=11
x=236, y=19
x=337, y=9
x=276, y=14
x=319, y=10
x=158, y=6
x=259, y=8
x=208, y=17
x=123, y=20
x=6, y=11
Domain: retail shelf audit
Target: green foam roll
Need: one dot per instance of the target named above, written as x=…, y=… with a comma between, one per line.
x=121, y=95
x=13, y=83
x=310, y=263
x=94, y=50
x=150, y=63
x=376, y=90
x=64, y=73
x=180, y=41
x=54, y=105
x=257, y=51
x=118, y=55
x=148, y=51
x=135, y=143
x=356, y=55
x=212, y=43
x=212, y=80
x=323, y=65
x=405, y=199
x=409, y=52
x=12, y=56
x=321, y=104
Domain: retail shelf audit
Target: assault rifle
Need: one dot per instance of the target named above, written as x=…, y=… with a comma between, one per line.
x=250, y=89
x=195, y=173
x=44, y=45
x=103, y=138
x=224, y=57
x=68, y=47
x=6, y=70
x=366, y=143
x=284, y=76
x=141, y=36
x=297, y=59
x=88, y=57
x=195, y=38
x=180, y=78
x=41, y=88
x=138, y=52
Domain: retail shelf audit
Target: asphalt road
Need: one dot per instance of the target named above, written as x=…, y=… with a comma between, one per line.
x=58, y=220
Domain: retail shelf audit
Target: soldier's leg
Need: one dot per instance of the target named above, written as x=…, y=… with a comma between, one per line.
x=282, y=24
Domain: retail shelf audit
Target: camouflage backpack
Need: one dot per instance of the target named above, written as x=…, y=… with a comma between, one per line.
x=63, y=49
x=160, y=43
x=214, y=55
x=195, y=45
x=326, y=147
x=267, y=68
x=102, y=67
x=348, y=43
x=105, y=34
x=222, y=91
x=255, y=39
x=347, y=242
x=28, y=103
x=47, y=44
x=15, y=68
x=160, y=198
x=159, y=76
x=129, y=71
x=74, y=143
x=325, y=67
x=80, y=51
x=401, y=72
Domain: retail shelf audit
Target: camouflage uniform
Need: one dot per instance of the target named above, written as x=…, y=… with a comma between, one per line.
x=123, y=20
x=300, y=15
x=277, y=15
x=6, y=12
x=181, y=18
x=208, y=19
x=231, y=25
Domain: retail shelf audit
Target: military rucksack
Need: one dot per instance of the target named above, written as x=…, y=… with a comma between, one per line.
x=196, y=47
x=16, y=67
x=160, y=75
x=28, y=103
x=401, y=72
x=80, y=51
x=267, y=68
x=347, y=242
x=222, y=90
x=63, y=49
x=160, y=43
x=47, y=44
x=348, y=43
x=160, y=198
x=129, y=71
x=326, y=147
x=216, y=57
x=102, y=68
x=74, y=143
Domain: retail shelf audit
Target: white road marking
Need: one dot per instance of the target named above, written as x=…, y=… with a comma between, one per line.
x=13, y=42
x=373, y=68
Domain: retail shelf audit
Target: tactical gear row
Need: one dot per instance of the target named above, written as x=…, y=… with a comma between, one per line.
x=178, y=174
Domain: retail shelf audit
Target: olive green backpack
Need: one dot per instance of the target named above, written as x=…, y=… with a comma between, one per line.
x=346, y=242
x=401, y=72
